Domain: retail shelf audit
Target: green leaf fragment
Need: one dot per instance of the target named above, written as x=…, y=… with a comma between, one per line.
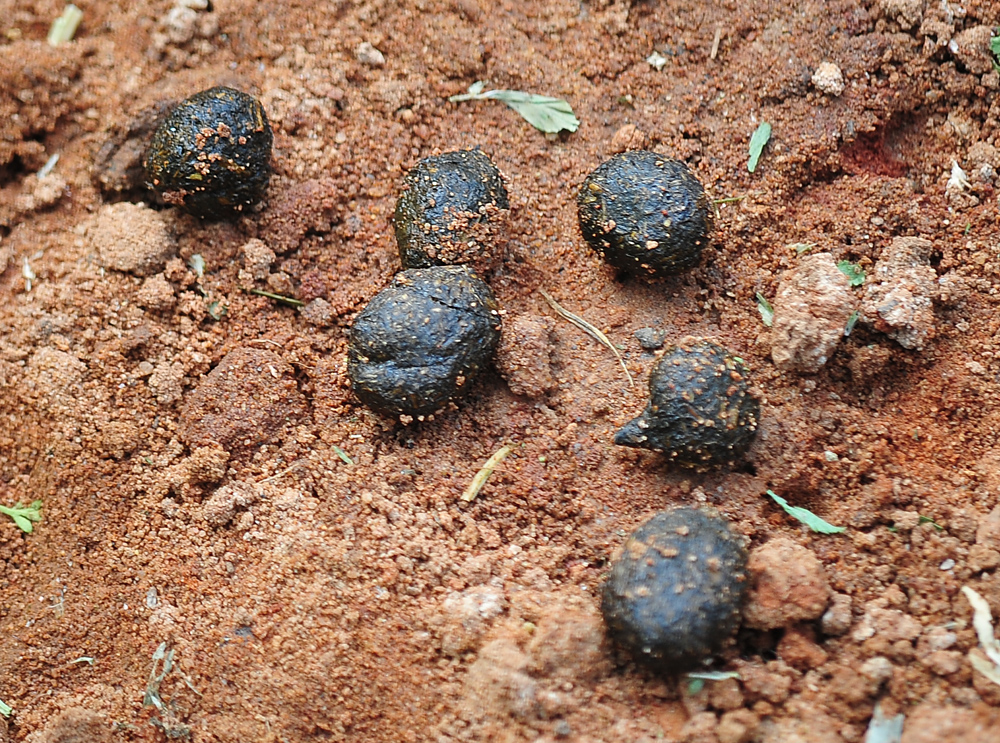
x=765, y=309
x=64, y=27
x=344, y=456
x=197, y=264
x=714, y=675
x=995, y=48
x=883, y=729
x=24, y=515
x=851, y=322
x=757, y=142
x=217, y=310
x=854, y=272
x=801, y=248
x=547, y=114
x=694, y=686
x=929, y=520
x=5, y=709
x=806, y=516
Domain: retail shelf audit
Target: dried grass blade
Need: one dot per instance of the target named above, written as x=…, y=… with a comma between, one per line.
x=589, y=329
x=483, y=475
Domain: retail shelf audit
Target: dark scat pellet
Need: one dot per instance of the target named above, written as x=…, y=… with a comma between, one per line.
x=452, y=212
x=645, y=213
x=212, y=155
x=421, y=341
x=673, y=596
x=701, y=411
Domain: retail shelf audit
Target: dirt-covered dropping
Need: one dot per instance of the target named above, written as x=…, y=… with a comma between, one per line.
x=452, y=211
x=674, y=594
x=645, y=213
x=700, y=411
x=421, y=341
x=212, y=154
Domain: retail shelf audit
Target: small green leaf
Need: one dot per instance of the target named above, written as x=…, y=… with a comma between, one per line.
x=765, y=309
x=694, y=686
x=995, y=48
x=852, y=271
x=197, y=264
x=5, y=709
x=547, y=114
x=344, y=456
x=806, y=516
x=217, y=310
x=24, y=515
x=929, y=520
x=757, y=142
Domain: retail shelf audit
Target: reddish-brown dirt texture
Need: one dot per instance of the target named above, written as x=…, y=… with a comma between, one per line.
x=211, y=486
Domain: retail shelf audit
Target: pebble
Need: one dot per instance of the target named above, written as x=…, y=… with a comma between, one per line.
x=877, y=669
x=836, y=620
x=650, y=338
x=367, y=54
x=811, y=310
x=898, y=295
x=892, y=625
x=828, y=79
x=787, y=585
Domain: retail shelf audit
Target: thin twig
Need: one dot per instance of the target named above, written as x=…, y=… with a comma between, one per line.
x=290, y=301
x=295, y=465
x=589, y=329
x=483, y=475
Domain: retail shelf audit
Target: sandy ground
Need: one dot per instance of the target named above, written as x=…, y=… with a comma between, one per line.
x=209, y=481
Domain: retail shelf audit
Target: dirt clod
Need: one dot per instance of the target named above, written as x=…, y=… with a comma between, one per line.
x=77, y=725
x=811, y=310
x=899, y=296
x=244, y=401
x=132, y=238
x=524, y=356
x=787, y=585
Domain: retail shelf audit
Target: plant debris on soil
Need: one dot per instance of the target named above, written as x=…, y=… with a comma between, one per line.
x=186, y=427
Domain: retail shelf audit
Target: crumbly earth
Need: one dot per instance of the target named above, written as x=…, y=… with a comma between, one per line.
x=318, y=575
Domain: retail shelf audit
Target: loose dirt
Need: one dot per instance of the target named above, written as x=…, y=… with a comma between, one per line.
x=210, y=482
